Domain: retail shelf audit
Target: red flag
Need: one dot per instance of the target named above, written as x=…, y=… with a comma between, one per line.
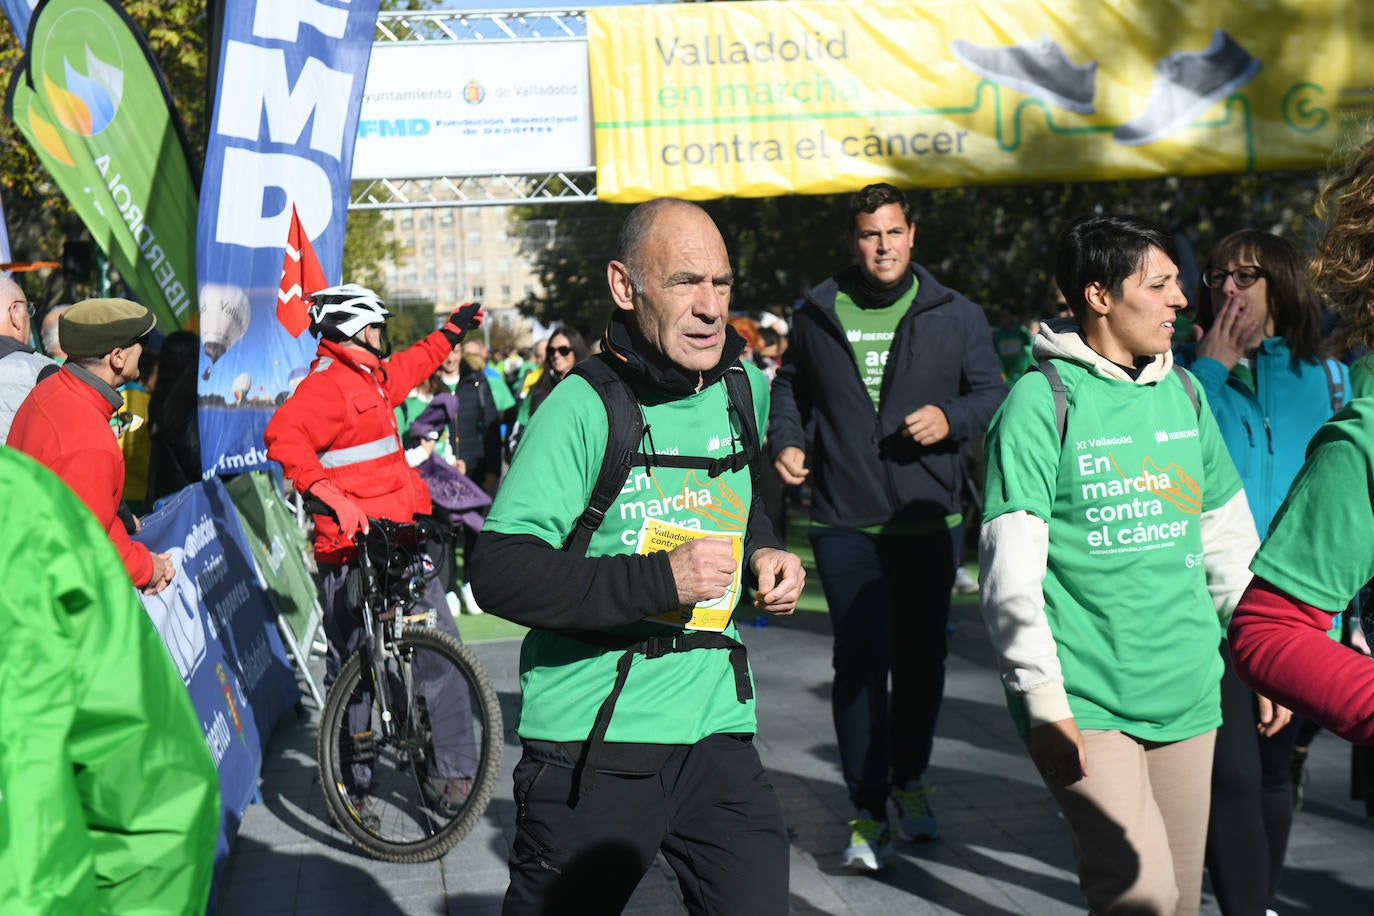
x=301, y=275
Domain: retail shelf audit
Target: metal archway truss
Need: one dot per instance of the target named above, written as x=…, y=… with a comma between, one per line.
x=568, y=186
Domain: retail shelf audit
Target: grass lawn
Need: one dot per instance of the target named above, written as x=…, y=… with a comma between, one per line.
x=486, y=627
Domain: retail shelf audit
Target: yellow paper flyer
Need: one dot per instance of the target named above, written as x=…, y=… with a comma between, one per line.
x=657, y=534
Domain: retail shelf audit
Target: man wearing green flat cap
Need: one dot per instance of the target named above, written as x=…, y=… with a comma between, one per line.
x=65, y=420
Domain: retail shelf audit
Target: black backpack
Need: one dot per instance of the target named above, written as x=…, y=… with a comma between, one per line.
x=623, y=453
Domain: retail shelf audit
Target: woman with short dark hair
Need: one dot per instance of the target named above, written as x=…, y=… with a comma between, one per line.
x=1114, y=544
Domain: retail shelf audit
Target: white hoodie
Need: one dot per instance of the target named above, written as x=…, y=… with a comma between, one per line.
x=1013, y=550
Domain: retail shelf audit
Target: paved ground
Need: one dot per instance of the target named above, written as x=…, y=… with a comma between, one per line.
x=1004, y=850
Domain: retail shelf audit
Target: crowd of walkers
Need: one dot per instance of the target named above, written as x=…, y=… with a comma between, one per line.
x=1154, y=473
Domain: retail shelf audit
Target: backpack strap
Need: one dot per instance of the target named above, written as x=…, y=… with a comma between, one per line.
x=625, y=428
x=1335, y=385
x=1061, y=394
x=584, y=775
x=1187, y=381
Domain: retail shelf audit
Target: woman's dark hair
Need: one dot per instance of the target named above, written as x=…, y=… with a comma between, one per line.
x=548, y=378
x=1294, y=303
x=1105, y=250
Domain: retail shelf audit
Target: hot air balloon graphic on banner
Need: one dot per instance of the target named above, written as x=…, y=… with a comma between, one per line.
x=224, y=314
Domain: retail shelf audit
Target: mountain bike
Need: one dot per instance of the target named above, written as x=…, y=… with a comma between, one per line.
x=411, y=734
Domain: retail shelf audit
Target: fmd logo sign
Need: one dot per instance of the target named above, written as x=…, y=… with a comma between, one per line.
x=400, y=127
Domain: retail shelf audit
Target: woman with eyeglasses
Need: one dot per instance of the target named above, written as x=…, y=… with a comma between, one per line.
x=565, y=349
x=1270, y=384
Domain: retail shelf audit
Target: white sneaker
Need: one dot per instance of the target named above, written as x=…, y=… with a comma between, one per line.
x=910, y=811
x=870, y=843
x=469, y=603
x=455, y=604
x=964, y=583
x=1186, y=84
x=1039, y=69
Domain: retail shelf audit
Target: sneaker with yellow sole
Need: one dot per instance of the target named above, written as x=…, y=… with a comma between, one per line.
x=870, y=843
x=908, y=808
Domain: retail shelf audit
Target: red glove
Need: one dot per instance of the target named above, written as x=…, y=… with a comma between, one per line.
x=350, y=515
x=463, y=319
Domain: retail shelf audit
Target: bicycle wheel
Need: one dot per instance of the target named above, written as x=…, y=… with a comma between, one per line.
x=410, y=796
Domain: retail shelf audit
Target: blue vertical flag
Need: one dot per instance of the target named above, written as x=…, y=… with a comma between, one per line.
x=287, y=99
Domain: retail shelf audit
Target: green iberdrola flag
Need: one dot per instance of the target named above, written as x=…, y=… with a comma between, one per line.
x=90, y=99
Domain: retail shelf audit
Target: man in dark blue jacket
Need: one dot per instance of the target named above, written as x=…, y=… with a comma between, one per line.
x=897, y=372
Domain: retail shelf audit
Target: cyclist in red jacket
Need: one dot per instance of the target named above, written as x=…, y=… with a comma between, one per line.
x=336, y=439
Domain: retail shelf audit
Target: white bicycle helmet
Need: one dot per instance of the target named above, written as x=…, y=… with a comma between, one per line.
x=340, y=312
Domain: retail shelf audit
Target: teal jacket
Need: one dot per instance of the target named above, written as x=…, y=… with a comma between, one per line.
x=1267, y=433
x=109, y=798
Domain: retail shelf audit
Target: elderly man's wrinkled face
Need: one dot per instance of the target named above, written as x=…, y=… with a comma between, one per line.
x=683, y=298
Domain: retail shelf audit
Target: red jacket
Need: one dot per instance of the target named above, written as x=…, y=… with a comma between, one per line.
x=1280, y=647
x=340, y=425
x=65, y=424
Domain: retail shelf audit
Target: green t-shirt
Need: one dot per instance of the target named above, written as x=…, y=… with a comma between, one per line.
x=1125, y=590
x=1362, y=376
x=1318, y=545
x=675, y=699
x=870, y=332
x=1013, y=350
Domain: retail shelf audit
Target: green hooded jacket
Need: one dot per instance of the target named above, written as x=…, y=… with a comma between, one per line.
x=109, y=798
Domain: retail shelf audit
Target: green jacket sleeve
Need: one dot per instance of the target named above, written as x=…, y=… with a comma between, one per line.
x=109, y=798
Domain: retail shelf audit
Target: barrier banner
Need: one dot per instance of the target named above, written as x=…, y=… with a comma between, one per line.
x=286, y=109
x=279, y=546
x=90, y=99
x=217, y=625
x=762, y=98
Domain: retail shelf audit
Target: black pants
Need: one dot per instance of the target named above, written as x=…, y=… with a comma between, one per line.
x=889, y=606
x=1252, y=804
x=710, y=809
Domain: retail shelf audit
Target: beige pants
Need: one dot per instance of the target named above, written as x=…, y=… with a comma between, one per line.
x=1139, y=823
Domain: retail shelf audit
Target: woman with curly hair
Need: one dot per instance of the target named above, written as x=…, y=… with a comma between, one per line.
x=1318, y=553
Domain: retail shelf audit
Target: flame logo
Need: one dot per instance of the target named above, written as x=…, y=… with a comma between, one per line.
x=87, y=103
x=83, y=103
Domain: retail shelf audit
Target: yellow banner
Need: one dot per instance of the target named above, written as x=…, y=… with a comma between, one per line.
x=756, y=99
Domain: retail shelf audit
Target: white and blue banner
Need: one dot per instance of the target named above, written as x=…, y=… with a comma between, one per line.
x=289, y=91
x=219, y=627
